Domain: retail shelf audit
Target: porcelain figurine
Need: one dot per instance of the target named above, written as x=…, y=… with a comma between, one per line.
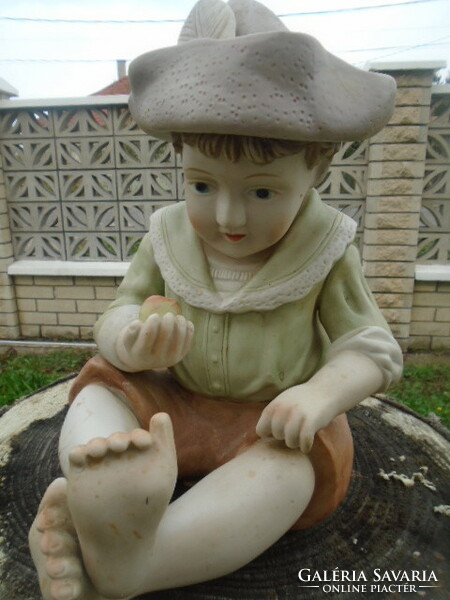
x=241, y=383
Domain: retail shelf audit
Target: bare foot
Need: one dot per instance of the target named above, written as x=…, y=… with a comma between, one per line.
x=55, y=550
x=119, y=488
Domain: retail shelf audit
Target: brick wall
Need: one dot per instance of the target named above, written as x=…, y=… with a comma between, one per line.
x=430, y=323
x=382, y=185
x=62, y=307
x=394, y=189
x=67, y=308
x=9, y=322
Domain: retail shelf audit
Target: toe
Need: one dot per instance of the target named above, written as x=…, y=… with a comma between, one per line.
x=58, y=543
x=45, y=519
x=77, y=456
x=56, y=568
x=119, y=442
x=55, y=493
x=65, y=589
x=63, y=567
x=53, y=517
x=141, y=439
x=97, y=448
x=54, y=499
x=161, y=428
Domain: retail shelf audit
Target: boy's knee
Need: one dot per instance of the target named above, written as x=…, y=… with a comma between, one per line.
x=286, y=466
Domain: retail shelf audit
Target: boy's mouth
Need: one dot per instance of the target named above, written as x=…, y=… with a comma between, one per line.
x=235, y=237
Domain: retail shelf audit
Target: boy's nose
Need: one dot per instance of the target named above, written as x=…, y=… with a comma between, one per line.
x=230, y=213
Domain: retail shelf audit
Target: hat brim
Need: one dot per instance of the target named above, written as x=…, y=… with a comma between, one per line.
x=281, y=85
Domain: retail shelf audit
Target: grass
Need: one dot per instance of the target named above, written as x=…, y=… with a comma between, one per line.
x=425, y=388
x=23, y=374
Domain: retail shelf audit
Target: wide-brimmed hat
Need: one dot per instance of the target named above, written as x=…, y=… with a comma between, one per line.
x=238, y=70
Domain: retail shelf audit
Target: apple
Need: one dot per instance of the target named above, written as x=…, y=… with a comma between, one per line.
x=159, y=305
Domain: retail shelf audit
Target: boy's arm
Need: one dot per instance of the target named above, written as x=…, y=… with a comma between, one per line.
x=158, y=343
x=128, y=343
x=363, y=359
x=298, y=413
x=353, y=321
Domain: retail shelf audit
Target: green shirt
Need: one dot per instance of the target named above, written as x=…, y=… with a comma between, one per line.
x=274, y=332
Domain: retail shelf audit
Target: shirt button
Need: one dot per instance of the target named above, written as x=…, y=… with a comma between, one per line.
x=215, y=358
x=215, y=329
x=281, y=375
x=216, y=386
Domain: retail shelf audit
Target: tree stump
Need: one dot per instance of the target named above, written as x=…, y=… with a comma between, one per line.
x=387, y=522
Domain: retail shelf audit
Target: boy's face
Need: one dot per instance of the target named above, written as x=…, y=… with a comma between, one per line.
x=241, y=210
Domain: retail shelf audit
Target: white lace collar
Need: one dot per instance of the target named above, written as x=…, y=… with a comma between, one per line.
x=316, y=240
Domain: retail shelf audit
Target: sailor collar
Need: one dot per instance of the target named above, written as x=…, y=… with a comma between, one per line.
x=317, y=238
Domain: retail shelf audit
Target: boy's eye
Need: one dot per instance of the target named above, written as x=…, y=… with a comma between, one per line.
x=201, y=187
x=263, y=194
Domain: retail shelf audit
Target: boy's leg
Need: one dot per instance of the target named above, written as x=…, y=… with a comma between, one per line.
x=226, y=520
x=55, y=551
x=230, y=517
x=109, y=478
x=96, y=412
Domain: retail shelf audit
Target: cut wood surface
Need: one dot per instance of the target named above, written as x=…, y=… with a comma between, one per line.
x=393, y=518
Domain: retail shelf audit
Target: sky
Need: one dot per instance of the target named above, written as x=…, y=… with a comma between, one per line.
x=70, y=48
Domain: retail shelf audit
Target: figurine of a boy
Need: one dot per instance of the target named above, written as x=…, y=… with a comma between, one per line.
x=278, y=335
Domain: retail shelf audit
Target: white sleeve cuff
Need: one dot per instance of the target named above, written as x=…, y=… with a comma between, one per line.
x=106, y=336
x=377, y=344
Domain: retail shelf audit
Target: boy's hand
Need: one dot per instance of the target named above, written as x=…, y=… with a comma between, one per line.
x=294, y=416
x=157, y=343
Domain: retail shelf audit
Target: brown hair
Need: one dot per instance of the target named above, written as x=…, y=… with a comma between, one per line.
x=260, y=151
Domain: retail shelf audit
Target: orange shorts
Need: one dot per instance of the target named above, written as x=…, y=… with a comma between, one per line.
x=211, y=431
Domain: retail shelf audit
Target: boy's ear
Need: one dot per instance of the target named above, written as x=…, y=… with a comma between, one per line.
x=322, y=170
x=177, y=143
